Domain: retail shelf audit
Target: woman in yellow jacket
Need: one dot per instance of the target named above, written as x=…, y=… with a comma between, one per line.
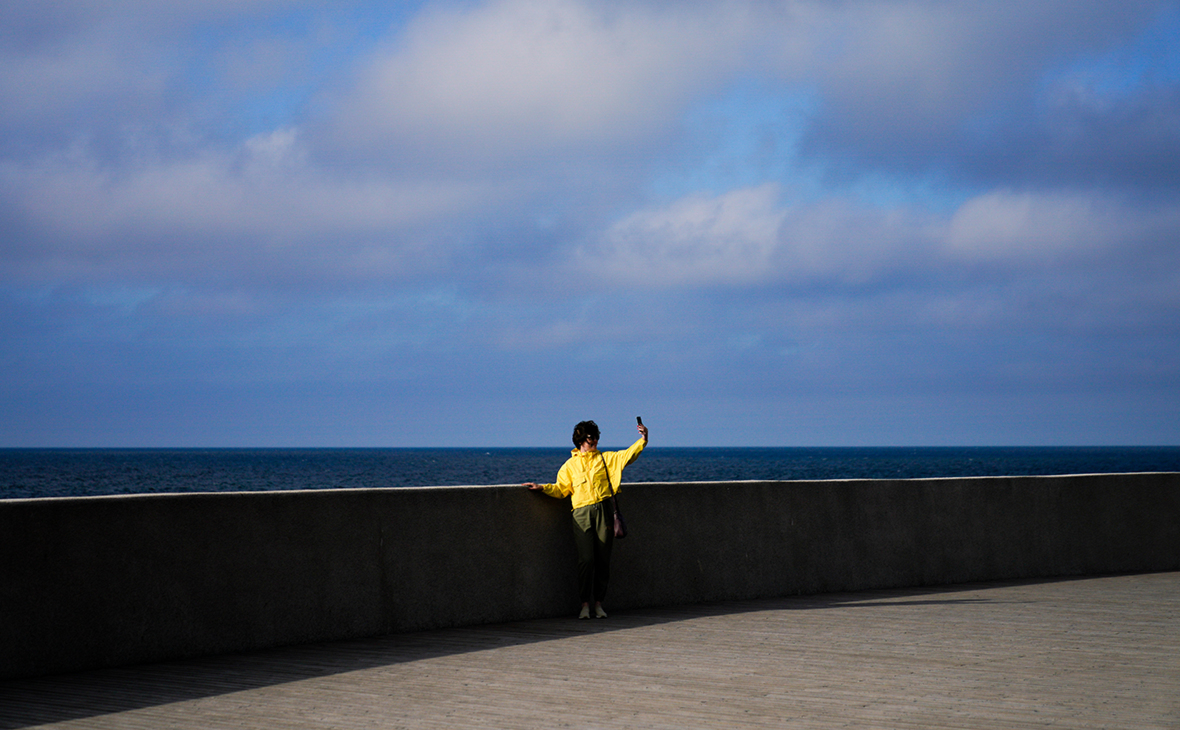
x=590, y=478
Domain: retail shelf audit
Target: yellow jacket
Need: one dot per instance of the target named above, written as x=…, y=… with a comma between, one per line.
x=584, y=479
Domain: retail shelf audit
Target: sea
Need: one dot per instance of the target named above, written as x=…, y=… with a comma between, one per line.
x=36, y=473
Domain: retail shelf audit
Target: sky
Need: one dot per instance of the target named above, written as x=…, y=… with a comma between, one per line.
x=475, y=223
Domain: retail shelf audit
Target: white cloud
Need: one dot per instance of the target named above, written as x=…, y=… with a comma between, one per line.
x=750, y=237
x=215, y=213
x=1023, y=226
x=729, y=238
x=1050, y=227
x=514, y=76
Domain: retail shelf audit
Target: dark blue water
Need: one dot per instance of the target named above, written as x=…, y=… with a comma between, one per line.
x=79, y=472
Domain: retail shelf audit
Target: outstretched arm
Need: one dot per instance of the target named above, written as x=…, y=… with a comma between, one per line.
x=563, y=488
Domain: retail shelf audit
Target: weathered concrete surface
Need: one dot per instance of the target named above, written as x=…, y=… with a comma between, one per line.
x=726, y=541
x=105, y=581
x=1075, y=654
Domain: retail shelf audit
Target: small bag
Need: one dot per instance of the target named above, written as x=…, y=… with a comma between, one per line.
x=620, y=523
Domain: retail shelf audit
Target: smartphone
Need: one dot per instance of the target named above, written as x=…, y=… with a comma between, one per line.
x=639, y=420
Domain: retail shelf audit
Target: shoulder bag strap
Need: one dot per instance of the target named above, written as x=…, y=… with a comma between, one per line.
x=614, y=500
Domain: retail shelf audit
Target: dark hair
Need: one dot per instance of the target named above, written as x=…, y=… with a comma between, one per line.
x=585, y=430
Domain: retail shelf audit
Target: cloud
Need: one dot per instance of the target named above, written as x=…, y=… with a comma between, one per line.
x=260, y=214
x=120, y=76
x=518, y=78
x=589, y=88
x=750, y=237
x=52, y=81
x=1020, y=227
x=1127, y=138
x=697, y=240
x=953, y=87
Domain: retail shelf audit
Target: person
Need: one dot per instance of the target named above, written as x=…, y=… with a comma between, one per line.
x=590, y=478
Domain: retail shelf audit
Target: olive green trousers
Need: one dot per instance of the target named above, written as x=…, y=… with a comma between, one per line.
x=594, y=535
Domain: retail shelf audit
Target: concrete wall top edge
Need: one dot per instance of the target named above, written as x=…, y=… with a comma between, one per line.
x=256, y=493
x=366, y=490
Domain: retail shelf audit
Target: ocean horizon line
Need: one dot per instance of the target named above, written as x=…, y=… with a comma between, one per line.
x=604, y=447
x=85, y=471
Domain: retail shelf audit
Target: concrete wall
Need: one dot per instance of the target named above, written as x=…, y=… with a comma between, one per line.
x=102, y=581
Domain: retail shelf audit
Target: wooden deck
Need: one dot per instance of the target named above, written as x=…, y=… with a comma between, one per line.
x=1087, y=653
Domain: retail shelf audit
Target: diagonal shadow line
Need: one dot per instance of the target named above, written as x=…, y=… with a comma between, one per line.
x=60, y=698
